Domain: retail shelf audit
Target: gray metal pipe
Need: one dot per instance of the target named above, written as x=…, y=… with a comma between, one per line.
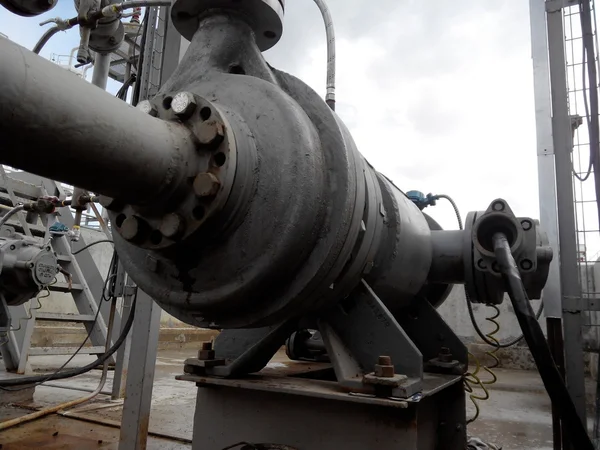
x=101, y=68
x=447, y=262
x=55, y=124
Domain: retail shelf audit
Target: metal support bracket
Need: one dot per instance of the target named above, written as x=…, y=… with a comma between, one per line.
x=557, y=5
x=252, y=351
x=578, y=304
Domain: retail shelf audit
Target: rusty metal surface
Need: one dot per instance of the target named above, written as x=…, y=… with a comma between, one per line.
x=61, y=433
x=284, y=378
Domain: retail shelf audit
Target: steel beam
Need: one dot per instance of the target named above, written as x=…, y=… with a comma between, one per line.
x=138, y=396
x=57, y=125
x=545, y=151
x=569, y=272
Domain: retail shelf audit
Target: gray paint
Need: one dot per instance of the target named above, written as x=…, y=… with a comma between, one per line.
x=569, y=272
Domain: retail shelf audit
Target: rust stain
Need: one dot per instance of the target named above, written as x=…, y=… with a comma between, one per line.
x=48, y=439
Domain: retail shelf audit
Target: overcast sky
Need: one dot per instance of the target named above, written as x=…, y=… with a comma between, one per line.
x=438, y=94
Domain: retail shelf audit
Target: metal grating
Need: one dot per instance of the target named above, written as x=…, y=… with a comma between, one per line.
x=586, y=207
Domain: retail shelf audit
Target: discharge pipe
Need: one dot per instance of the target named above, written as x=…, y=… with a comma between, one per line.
x=128, y=153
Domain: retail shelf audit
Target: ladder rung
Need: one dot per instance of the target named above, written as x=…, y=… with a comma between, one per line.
x=64, y=258
x=64, y=287
x=60, y=317
x=41, y=351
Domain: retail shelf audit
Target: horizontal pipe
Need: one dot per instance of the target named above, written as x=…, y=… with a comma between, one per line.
x=55, y=124
x=447, y=262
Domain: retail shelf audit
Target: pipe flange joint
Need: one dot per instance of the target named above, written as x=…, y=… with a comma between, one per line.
x=209, y=178
x=264, y=16
x=528, y=245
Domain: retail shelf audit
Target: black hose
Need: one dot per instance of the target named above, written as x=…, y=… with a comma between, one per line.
x=591, y=109
x=135, y=97
x=80, y=370
x=100, y=241
x=553, y=382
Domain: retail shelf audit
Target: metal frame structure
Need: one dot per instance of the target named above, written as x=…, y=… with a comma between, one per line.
x=86, y=290
x=563, y=149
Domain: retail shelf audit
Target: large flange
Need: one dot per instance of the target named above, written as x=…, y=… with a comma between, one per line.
x=209, y=177
x=264, y=16
x=529, y=247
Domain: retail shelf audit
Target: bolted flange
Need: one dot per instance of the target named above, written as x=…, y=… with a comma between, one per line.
x=147, y=107
x=131, y=228
x=172, y=226
x=206, y=185
x=183, y=105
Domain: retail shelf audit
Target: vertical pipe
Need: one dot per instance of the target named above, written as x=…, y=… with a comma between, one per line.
x=101, y=68
x=569, y=273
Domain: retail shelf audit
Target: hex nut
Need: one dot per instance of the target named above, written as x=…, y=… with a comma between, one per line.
x=183, y=105
x=172, y=225
x=206, y=185
x=384, y=371
x=445, y=355
x=206, y=352
x=147, y=107
x=384, y=367
x=384, y=360
x=210, y=134
x=205, y=355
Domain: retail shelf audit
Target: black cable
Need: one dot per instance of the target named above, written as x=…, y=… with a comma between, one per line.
x=478, y=330
x=81, y=370
x=587, y=40
x=536, y=341
x=90, y=245
x=49, y=377
x=139, y=69
x=122, y=92
x=112, y=273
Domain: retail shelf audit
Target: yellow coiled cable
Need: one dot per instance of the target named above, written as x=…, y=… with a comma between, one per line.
x=472, y=380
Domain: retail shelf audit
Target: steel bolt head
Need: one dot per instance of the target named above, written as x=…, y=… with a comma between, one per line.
x=172, y=225
x=130, y=228
x=384, y=367
x=147, y=107
x=206, y=352
x=210, y=134
x=183, y=104
x=445, y=355
x=207, y=345
x=384, y=360
x=206, y=185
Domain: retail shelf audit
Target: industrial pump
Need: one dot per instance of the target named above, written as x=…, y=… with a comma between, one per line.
x=239, y=202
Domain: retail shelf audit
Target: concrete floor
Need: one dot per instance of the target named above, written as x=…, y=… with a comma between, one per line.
x=517, y=415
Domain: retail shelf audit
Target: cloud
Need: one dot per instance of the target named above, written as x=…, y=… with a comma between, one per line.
x=437, y=94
